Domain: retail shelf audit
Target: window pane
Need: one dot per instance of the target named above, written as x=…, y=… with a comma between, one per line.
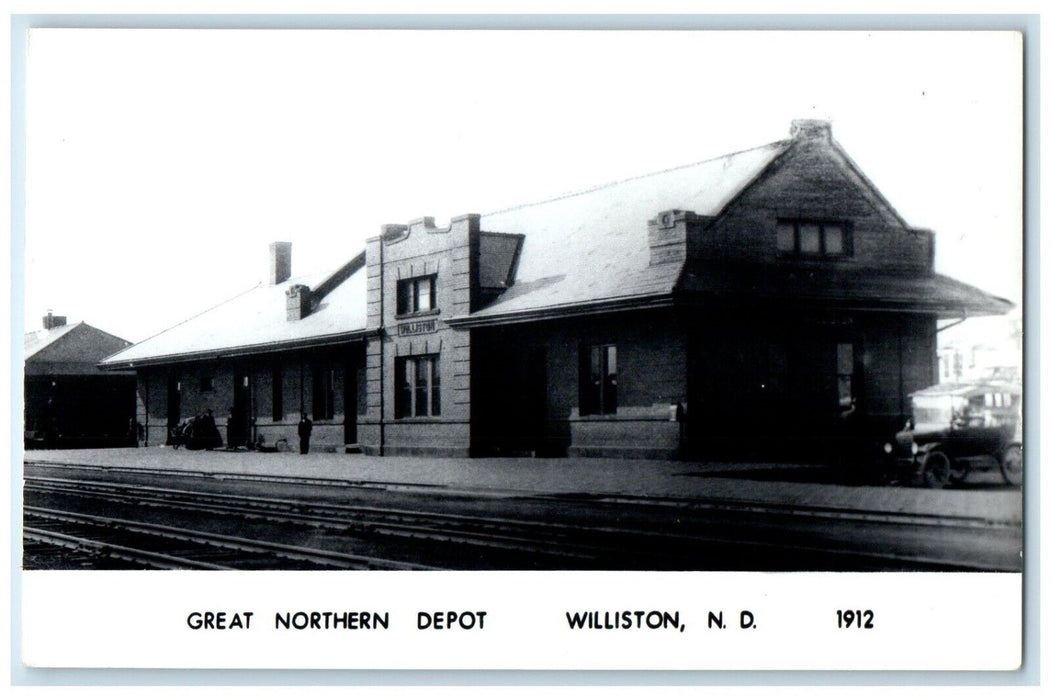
x=436, y=387
x=846, y=391
x=422, y=368
x=786, y=238
x=608, y=395
x=809, y=239
x=588, y=398
x=834, y=239
x=845, y=358
x=596, y=365
x=403, y=399
x=423, y=290
x=404, y=296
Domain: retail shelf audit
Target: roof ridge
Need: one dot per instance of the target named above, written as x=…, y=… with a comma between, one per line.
x=185, y=321
x=42, y=335
x=55, y=328
x=613, y=183
x=338, y=276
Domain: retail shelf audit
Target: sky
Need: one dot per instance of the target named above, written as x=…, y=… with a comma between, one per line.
x=161, y=163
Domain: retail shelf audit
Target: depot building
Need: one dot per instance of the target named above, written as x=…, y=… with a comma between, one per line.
x=751, y=300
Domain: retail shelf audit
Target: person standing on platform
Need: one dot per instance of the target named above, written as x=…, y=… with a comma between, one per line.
x=305, y=427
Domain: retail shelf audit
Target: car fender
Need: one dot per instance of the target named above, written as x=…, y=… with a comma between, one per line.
x=927, y=447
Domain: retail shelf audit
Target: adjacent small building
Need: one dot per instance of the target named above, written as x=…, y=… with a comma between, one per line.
x=749, y=300
x=69, y=401
x=989, y=352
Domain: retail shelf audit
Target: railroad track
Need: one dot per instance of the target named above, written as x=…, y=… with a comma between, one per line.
x=165, y=547
x=449, y=529
x=576, y=545
x=715, y=505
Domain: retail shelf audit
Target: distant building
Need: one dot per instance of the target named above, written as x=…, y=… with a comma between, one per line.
x=748, y=301
x=69, y=401
x=991, y=353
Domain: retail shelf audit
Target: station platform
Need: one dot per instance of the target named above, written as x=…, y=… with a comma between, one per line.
x=982, y=497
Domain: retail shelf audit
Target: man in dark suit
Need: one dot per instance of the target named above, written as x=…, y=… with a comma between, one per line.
x=305, y=427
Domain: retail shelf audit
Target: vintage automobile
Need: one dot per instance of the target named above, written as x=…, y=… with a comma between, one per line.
x=959, y=428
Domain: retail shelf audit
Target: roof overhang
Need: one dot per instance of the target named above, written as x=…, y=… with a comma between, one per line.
x=992, y=306
x=582, y=309
x=239, y=351
x=837, y=289
x=69, y=369
x=942, y=311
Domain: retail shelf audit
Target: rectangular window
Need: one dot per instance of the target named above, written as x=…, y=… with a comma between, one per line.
x=418, y=390
x=278, y=395
x=809, y=239
x=834, y=239
x=417, y=295
x=786, y=237
x=814, y=239
x=324, y=394
x=845, y=374
x=598, y=380
x=207, y=381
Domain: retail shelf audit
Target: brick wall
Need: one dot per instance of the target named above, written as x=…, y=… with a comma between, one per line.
x=651, y=376
x=403, y=253
x=761, y=377
x=813, y=181
x=296, y=370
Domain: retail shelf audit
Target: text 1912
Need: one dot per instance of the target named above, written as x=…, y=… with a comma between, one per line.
x=858, y=619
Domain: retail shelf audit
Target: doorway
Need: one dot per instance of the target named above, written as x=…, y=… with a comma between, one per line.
x=523, y=404
x=174, y=410
x=351, y=379
x=239, y=430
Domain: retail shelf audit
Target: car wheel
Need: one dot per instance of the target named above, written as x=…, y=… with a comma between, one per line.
x=937, y=469
x=1011, y=464
x=958, y=472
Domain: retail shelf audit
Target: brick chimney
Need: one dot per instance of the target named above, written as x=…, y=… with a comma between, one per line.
x=811, y=130
x=297, y=301
x=52, y=321
x=669, y=235
x=280, y=261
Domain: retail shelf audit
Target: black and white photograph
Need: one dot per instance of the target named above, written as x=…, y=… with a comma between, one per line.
x=523, y=301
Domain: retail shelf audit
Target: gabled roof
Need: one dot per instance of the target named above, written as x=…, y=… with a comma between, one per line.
x=256, y=321
x=583, y=252
x=35, y=341
x=74, y=348
x=592, y=246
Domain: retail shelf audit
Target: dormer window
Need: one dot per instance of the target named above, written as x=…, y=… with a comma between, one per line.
x=417, y=295
x=814, y=239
